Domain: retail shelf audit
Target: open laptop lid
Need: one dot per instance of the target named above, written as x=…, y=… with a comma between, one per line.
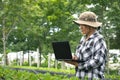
x=62, y=50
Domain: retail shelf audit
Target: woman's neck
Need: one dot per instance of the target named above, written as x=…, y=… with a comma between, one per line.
x=90, y=33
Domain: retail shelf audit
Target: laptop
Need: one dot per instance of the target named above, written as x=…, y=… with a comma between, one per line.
x=62, y=51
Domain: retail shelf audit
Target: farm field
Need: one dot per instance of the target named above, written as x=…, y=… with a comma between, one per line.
x=6, y=73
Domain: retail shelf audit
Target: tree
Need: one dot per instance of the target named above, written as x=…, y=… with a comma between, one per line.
x=16, y=15
x=31, y=24
x=8, y=21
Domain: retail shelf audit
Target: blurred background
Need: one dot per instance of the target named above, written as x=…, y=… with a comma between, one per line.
x=27, y=28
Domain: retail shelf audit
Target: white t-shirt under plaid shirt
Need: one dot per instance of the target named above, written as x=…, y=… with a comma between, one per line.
x=92, y=53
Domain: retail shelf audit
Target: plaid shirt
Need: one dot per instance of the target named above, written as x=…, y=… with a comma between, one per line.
x=92, y=54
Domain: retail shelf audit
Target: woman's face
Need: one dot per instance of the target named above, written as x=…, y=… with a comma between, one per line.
x=84, y=29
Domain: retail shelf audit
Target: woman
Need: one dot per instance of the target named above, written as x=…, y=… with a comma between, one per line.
x=91, y=50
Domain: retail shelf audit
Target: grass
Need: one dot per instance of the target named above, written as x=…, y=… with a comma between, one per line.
x=68, y=71
x=111, y=76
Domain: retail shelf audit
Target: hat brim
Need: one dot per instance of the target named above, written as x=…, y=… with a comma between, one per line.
x=92, y=24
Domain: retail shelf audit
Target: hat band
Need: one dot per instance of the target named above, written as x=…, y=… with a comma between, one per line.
x=88, y=19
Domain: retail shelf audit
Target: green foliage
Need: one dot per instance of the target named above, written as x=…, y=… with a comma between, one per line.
x=8, y=74
x=115, y=60
x=44, y=68
x=32, y=24
x=34, y=64
x=25, y=64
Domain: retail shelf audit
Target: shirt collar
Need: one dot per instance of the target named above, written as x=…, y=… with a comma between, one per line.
x=93, y=35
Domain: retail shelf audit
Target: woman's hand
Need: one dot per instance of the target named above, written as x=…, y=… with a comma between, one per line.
x=72, y=62
x=74, y=57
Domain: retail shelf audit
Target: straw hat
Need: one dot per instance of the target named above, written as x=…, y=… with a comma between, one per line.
x=88, y=18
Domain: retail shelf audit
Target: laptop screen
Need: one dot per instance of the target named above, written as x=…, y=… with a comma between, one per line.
x=62, y=50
